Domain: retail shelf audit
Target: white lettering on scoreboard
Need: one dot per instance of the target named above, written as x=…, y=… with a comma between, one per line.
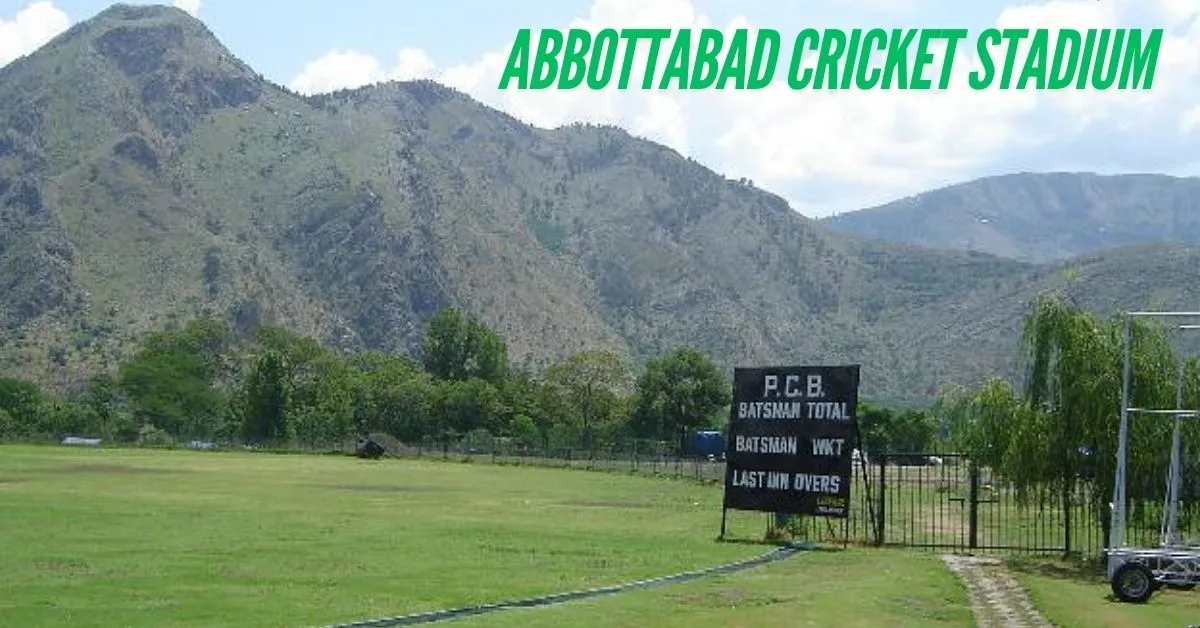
x=787, y=445
x=816, y=410
x=782, y=481
x=766, y=444
x=827, y=446
x=791, y=387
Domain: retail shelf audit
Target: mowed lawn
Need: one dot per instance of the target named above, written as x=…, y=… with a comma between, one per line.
x=1070, y=598
x=92, y=537
x=858, y=588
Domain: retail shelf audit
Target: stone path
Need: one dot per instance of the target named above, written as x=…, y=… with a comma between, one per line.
x=997, y=599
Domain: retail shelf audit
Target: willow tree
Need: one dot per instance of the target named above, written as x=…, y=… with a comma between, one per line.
x=1073, y=392
x=980, y=421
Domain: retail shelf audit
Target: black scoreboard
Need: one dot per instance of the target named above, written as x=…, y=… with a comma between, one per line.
x=792, y=434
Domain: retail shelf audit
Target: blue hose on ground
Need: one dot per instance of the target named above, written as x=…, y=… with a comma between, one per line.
x=429, y=617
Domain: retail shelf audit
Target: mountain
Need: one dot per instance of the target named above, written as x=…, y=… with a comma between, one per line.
x=148, y=176
x=1038, y=217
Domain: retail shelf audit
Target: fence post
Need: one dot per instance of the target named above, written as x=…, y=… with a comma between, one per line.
x=973, y=501
x=881, y=516
x=1068, y=490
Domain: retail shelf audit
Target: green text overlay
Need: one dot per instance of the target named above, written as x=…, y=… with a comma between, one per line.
x=831, y=59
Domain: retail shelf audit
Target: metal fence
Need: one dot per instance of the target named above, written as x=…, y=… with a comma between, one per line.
x=629, y=460
x=942, y=501
x=937, y=501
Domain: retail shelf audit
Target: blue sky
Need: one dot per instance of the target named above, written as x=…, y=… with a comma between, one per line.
x=824, y=152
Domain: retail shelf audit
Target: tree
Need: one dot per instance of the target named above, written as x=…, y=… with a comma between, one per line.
x=331, y=395
x=322, y=386
x=591, y=383
x=9, y=427
x=1064, y=423
x=885, y=430
x=460, y=348
x=549, y=411
x=465, y=406
x=20, y=400
x=267, y=400
x=103, y=396
x=60, y=418
x=518, y=396
x=677, y=392
x=171, y=380
x=380, y=376
x=981, y=421
x=406, y=407
x=1075, y=375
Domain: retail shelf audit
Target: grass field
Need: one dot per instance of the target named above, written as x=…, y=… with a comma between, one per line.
x=924, y=505
x=152, y=538
x=1072, y=597
x=848, y=589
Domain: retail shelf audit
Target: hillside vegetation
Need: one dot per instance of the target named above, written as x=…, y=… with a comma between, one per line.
x=148, y=177
x=1038, y=217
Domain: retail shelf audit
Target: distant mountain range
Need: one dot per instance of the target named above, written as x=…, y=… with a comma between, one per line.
x=1038, y=217
x=148, y=176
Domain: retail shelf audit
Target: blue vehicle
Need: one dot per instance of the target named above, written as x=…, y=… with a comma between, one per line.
x=706, y=444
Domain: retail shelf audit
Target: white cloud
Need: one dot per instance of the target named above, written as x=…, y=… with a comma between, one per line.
x=412, y=64
x=342, y=69
x=1179, y=10
x=660, y=116
x=191, y=6
x=1190, y=120
x=338, y=69
x=32, y=27
x=835, y=150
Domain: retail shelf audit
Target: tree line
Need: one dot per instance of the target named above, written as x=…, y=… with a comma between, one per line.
x=1048, y=437
x=276, y=388
x=1058, y=432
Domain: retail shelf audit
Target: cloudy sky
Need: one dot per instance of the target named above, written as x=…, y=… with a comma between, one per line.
x=825, y=152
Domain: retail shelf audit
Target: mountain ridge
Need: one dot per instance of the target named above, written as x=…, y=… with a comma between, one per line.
x=201, y=189
x=1038, y=217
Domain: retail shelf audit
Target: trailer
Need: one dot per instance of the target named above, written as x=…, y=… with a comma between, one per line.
x=1136, y=573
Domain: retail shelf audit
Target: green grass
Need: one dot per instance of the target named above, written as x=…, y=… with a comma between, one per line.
x=925, y=506
x=1074, y=597
x=152, y=538
x=860, y=587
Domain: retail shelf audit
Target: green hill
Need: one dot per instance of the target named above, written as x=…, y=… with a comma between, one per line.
x=1038, y=217
x=147, y=176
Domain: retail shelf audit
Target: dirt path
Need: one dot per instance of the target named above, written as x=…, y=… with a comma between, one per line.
x=997, y=599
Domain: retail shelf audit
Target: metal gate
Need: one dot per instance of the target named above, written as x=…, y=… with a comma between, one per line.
x=943, y=501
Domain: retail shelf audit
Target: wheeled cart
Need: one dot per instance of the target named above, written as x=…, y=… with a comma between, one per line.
x=1135, y=573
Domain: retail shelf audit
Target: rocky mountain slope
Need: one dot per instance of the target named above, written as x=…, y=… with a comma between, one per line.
x=148, y=176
